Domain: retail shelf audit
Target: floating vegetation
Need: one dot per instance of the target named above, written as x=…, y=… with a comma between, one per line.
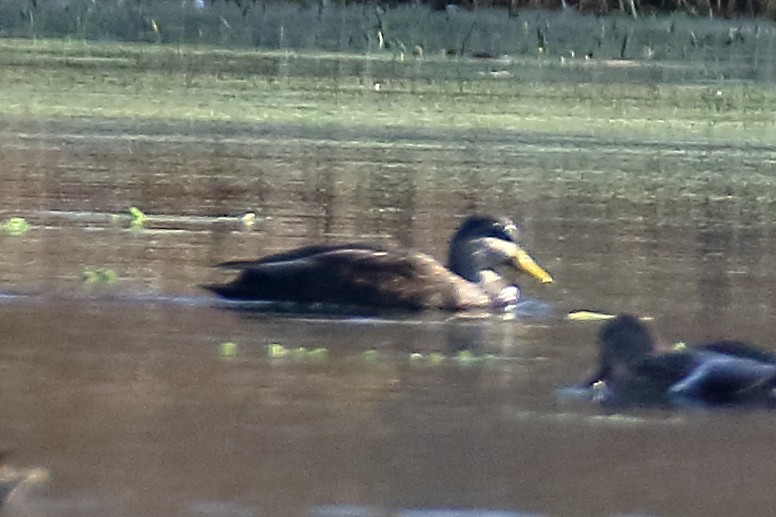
x=436, y=358
x=461, y=358
x=15, y=226
x=371, y=356
x=99, y=276
x=596, y=316
x=465, y=357
x=278, y=351
x=588, y=316
x=227, y=349
x=138, y=218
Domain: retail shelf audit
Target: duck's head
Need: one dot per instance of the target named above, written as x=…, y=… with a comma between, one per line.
x=484, y=243
x=623, y=341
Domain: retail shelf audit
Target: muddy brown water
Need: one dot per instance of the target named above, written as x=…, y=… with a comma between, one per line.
x=122, y=390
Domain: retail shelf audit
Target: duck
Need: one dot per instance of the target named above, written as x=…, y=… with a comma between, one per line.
x=384, y=278
x=11, y=477
x=633, y=371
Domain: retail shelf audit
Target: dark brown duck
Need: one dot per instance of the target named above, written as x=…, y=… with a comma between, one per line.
x=632, y=371
x=363, y=275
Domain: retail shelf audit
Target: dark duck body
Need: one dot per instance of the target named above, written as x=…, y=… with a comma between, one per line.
x=363, y=275
x=632, y=371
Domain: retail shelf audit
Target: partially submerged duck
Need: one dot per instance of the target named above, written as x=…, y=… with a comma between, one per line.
x=11, y=477
x=632, y=371
x=367, y=276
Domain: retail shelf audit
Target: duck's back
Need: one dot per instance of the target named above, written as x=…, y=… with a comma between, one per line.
x=352, y=275
x=721, y=373
x=648, y=381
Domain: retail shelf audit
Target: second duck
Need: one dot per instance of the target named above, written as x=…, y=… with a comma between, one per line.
x=632, y=371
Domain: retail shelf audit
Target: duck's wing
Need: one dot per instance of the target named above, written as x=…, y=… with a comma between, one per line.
x=725, y=379
x=353, y=276
x=738, y=349
x=666, y=368
x=307, y=252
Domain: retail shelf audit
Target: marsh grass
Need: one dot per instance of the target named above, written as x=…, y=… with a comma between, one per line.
x=290, y=64
x=403, y=30
x=55, y=78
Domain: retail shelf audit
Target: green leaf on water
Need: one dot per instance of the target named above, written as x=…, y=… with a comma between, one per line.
x=276, y=351
x=107, y=276
x=99, y=276
x=227, y=349
x=89, y=276
x=436, y=358
x=299, y=353
x=465, y=357
x=16, y=226
x=138, y=218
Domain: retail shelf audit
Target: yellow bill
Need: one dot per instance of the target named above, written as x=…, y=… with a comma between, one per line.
x=524, y=262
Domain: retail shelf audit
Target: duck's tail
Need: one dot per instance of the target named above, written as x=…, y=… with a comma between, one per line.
x=229, y=290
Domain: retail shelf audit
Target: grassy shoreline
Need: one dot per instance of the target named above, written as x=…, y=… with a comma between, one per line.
x=48, y=78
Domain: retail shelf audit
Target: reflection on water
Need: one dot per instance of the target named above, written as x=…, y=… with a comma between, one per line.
x=135, y=413
x=607, y=221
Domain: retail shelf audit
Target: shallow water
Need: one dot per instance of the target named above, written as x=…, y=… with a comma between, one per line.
x=125, y=392
x=122, y=391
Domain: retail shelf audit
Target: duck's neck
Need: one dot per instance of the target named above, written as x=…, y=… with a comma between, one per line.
x=500, y=292
x=463, y=260
x=473, y=260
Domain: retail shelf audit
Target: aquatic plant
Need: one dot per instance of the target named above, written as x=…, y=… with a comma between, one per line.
x=227, y=349
x=595, y=316
x=388, y=31
x=465, y=357
x=99, y=276
x=276, y=351
x=301, y=353
x=588, y=316
x=15, y=226
x=138, y=218
x=462, y=358
x=436, y=358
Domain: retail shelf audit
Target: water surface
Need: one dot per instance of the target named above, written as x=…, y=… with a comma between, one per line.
x=124, y=391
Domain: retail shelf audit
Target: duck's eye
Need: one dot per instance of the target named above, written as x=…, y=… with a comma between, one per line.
x=511, y=230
